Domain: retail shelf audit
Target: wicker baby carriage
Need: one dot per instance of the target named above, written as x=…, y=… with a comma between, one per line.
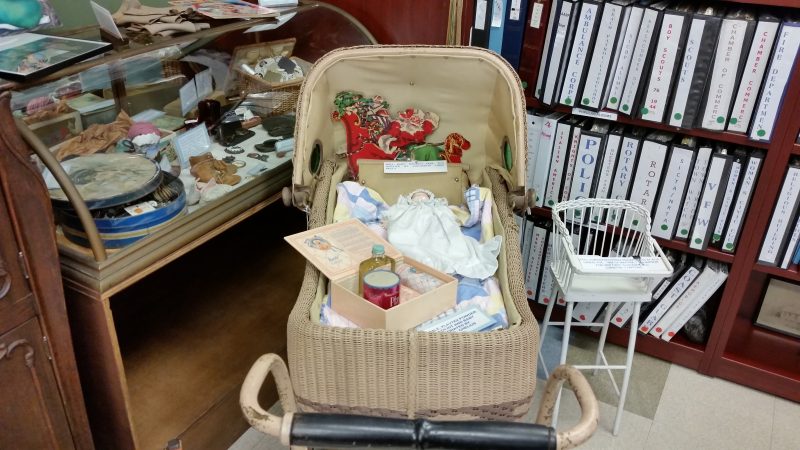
x=484, y=376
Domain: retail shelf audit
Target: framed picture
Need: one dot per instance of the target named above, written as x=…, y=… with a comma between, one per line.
x=780, y=309
x=29, y=55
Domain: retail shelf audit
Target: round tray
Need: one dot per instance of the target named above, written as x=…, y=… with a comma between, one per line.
x=108, y=179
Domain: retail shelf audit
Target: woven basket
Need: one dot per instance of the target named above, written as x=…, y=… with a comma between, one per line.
x=488, y=376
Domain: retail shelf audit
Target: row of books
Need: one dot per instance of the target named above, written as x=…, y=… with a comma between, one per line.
x=781, y=245
x=673, y=62
x=675, y=299
x=499, y=25
x=694, y=191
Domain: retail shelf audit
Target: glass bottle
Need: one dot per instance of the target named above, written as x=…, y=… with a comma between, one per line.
x=378, y=260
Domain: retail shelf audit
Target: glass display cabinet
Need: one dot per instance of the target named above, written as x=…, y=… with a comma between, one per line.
x=149, y=151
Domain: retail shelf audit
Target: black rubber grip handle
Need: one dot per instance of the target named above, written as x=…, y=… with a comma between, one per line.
x=348, y=431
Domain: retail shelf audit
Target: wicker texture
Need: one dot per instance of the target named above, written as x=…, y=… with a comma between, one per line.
x=489, y=376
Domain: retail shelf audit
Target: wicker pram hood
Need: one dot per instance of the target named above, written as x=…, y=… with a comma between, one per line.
x=475, y=92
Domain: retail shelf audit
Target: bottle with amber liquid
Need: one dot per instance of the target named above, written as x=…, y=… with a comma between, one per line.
x=377, y=261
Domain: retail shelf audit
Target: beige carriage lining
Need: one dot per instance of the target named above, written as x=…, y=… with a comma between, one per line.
x=472, y=93
x=514, y=317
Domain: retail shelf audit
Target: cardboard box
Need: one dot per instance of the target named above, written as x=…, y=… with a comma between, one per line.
x=338, y=249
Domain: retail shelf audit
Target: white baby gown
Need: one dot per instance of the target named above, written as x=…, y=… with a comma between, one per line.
x=424, y=228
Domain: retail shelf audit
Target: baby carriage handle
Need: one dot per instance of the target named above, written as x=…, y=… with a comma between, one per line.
x=348, y=431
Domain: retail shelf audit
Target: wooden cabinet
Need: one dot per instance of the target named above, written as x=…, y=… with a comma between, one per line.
x=41, y=406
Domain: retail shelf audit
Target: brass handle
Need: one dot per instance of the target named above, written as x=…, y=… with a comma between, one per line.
x=6, y=286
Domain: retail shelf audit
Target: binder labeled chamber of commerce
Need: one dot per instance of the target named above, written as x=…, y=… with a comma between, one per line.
x=698, y=55
x=754, y=69
x=736, y=34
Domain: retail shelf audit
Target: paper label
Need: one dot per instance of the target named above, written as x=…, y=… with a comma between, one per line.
x=775, y=82
x=624, y=58
x=781, y=218
x=188, y=96
x=727, y=200
x=670, y=201
x=638, y=60
x=723, y=74
x=106, y=20
x=655, y=101
x=192, y=143
x=754, y=69
x=686, y=72
x=580, y=47
x=739, y=208
x=204, y=83
x=469, y=320
x=693, y=193
x=600, y=264
x=534, y=133
x=141, y=208
x=536, y=14
x=480, y=14
x=605, y=115
x=515, y=9
x=497, y=13
x=602, y=54
x=415, y=166
x=585, y=164
x=707, y=200
x=557, y=53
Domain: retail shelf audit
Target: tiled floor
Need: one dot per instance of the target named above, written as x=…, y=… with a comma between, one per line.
x=694, y=412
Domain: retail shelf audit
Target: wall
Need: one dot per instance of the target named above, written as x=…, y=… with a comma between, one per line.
x=77, y=13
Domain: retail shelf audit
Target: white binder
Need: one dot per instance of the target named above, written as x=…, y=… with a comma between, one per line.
x=742, y=201
x=648, y=173
x=660, y=80
x=774, y=86
x=670, y=202
x=604, y=45
x=538, y=241
x=557, y=53
x=785, y=210
x=581, y=45
x=754, y=69
x=628, y=155
x=534, y=134
x=694, y=298
x=693, y=193
x=555, y=11
x=710, y=201
x=622, y=62
x=541, y=160
x=727, y=201
x=638, y=60
x=681, y=285
x=585, y=165
x=546, y=286
x=607, y=166
x=571, y=157
x=686, y=72
x=560, y=153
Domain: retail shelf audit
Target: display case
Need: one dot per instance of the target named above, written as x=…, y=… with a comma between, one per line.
x=125, y=200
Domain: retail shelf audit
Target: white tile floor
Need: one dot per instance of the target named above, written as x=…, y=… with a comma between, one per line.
x=695, y=412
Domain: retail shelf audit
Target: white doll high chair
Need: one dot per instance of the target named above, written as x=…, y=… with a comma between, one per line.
x=603, y=252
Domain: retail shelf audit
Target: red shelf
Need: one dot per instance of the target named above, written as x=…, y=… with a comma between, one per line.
x=679, y=350
x=796, y=148
x=787, y=3
x=680, y=246
x=789, y=274
x=761, y=358
x=724, y=136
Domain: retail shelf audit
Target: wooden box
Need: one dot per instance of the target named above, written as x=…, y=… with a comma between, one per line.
x=338, y=249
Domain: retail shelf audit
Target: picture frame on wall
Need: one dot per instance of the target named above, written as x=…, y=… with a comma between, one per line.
x=29, y=55
x=780, y=308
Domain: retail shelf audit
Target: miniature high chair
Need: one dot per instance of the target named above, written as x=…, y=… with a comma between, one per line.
x=603, y=252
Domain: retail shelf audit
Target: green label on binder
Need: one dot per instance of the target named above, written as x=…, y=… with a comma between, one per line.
x=678, y=116
x=613, y=100
x=665, y=227
x=625, y=107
